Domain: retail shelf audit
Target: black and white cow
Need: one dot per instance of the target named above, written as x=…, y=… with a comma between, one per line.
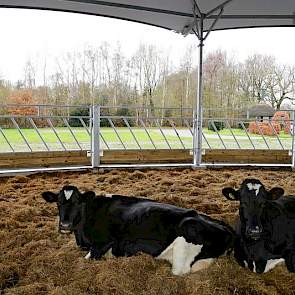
x=266, y=227
x=128, y=225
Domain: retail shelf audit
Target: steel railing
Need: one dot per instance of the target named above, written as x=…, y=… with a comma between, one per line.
x=53, y=128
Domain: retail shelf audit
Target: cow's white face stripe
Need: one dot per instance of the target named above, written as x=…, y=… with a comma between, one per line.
x=255, y=187
x=271, y=263
x=68, y=194
x=180, y=254
x=108, y=195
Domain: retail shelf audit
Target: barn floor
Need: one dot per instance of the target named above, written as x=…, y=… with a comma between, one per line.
x=36, y=259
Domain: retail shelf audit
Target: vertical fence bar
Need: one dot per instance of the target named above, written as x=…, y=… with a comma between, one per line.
x=103, y=139
x=215, y=129
x=116, y=132
x=84, y=125
x=143, y=125
x=159, y=126
x=90, y=118
x=130, y=129
x=39, y=134
x=190, y=129
x=261, y=133
x=244, y=128
x=207, y=142
x=293, y=142
x=95, y=136
x=56, y=134
x=71, y=131
x=275, y=133
x=173, y=126
x=2, y=132
x=21, y=133
x=233, y=135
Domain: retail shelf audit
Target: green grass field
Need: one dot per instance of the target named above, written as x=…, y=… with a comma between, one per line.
x=150, y=138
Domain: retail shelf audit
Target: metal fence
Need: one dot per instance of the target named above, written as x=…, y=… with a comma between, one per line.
x=94, y=129
x=248, y=134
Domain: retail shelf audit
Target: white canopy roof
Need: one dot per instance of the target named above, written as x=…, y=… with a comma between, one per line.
x=177, y=15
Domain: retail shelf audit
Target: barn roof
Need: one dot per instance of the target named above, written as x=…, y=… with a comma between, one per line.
x=261, y=110
x=178, y=15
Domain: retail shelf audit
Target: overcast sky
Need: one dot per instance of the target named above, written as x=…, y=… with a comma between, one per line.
x=35, y=34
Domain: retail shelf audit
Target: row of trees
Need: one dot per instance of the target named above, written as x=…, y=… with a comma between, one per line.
x=150, y=79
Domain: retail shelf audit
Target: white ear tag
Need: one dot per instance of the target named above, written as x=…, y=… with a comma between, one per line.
x=68, y=194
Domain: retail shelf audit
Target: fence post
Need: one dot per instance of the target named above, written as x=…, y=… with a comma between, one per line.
x=293, y=147
x=95, y=136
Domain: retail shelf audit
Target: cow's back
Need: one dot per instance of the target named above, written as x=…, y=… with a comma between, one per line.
x=143, y=225
x=287, y=206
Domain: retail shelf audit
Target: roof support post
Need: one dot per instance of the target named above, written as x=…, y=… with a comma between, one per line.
x=197, y=26
x=197, y=120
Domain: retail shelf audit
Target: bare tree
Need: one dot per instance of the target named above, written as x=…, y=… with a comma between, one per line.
x=254, y=75
x=30, y=75
x=214, y=65
x=147, y=62
x=263, y=79
x=280, y=85
x=90, y=69
x=118, y=69
x=164, y=72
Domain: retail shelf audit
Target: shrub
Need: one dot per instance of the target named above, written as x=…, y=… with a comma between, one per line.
x=264, y=128
x=219, y=125
x=246, y=124
x=124, y=112
x=79, y=112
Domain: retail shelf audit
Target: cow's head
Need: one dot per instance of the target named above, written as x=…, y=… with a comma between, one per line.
x=70, y=204
x=253, y=199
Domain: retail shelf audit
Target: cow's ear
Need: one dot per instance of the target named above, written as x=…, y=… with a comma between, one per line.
x=231, y=194
x=275, y=193
x=50, y=197
x=87, y=196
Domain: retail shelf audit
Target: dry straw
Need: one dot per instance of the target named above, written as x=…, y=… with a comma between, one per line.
x=35, y=259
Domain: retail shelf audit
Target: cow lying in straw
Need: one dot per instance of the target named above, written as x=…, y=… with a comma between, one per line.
x=128, y=225
x=266, y=227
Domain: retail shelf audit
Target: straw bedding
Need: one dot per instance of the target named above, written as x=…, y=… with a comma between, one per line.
x=36, y=259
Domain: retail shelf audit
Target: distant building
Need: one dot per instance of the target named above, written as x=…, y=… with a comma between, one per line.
x=262, y=112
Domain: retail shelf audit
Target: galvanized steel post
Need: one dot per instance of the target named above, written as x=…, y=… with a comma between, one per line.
x=198, y=28
x=95, y=136
x=293, y=147
x=197, y=122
